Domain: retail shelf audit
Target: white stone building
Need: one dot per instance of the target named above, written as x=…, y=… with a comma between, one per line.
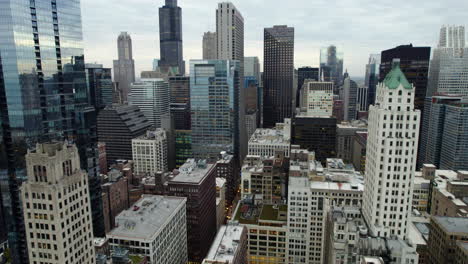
x=391, y=156
x=150, y=152
x=57, y=210
x=155, y=227
x=317, y=98
x=265, y=142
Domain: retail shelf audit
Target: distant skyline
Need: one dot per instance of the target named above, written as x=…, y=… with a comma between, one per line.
x=359, y=27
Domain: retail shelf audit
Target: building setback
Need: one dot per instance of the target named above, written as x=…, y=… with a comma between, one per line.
x=124, y=66
x=278, y=74
x=117, y=126
x=56, y=186
x=195, y=180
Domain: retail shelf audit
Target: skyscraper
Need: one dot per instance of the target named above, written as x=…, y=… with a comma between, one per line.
x=305, y=73
x=372, y=78
x=350, y=90
x=152, y=97
x=124, y=67
x=55, y=185
x=230, y=46
x=391, y=156
x=170, y=36
x=414, y=63
x=278, y=75
x=210, y=46
x=252, y=68
x=43, y=96
x=331, y=65
x=100, y=85
x=449, y=65
x=215, y=108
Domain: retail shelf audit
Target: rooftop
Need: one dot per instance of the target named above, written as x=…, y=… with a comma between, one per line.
x=452, y=224
x=152, y=134
x=247, y=213
x=226, y=243
x=396, y=77
x=278, y=135
x=147, y=217
x=192, y=171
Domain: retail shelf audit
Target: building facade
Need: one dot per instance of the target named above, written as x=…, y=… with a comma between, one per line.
x=183, y=146
x=278, y=74
x=391, y=156
x=55, y=185
x=305, y=73
x=100, y=85
x=150, y=153
x=170, y=37
x=265, y=142
x=345, y=133
x=443, y=237
x=372, y=78
x=228, y=169
x=124, y=66
x=350, y=96
x=229, y=246
x=331, y=65
x=114, y=197
x=210, y=46
x=317, y=99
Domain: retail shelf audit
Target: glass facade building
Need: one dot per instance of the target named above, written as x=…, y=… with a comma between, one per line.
x=100, y=85
x=215, y=108
x=331, y=65
x=170, y=36
x=372, y=78
x=183, y=146
x=43, y=97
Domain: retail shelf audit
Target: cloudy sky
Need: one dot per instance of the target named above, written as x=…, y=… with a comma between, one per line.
x=360, y=27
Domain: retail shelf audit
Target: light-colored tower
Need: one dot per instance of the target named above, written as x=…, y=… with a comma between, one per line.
x=152, y=97
x=350, y=90
x=150, y=152
x=391, y=156
x=317, y=98
x=210, y=44
x=452, y=37
x=124, y=67
x=57, y=208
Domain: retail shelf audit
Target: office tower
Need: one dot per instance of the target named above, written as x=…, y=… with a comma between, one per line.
x=100, y=85
x=152, y=97
x=265, y=142
x=195, y=180
x=444, y=234
x=156, y=229
x=361, y=104
x=170, y=36
x=215, y=119
x=179, y=89
x=317, y=99
x=124, y=66
x=230, y=46
x=350, y=90
x=118, y=125
x=359, y=150
x=252, y=68
x=227, y=168
x=372, y=78
x=56, y=185
x=391, y=156
x=43, y=68
x=278, y=96
x=210, y=46
x=114, y=197
x=149, y=152
x=449, y=65
x=183, y=146
x=414, y=62
x=229, y=247
x=345, y=133
x=305, y=73
x=444, y=133
x=331, y=65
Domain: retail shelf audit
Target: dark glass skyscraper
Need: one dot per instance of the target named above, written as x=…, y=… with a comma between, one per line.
x=372, y=78
x=278, y=75
x=43, y=96
x=331, y=66
x=170, y=36
x=100, y=85
x=303, y=74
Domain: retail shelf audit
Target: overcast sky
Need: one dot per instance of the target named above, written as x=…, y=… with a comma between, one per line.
x=360, y=27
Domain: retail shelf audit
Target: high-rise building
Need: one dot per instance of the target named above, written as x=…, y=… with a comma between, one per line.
x=43, y=96
x=305, y=73
x=391, y=156
x=154, y=228
x=414, y=63
x=228, y=169
x=183, y=146
x=210, y=46
x=278, y=74
x=331, y=65
x=230, y=46
x=55, y=185
x=152, y=97
x=170, y=37
x=196, y=180
x=252, y=68
x=350, y=90
x=149, y=153
x=317, y=99
x=449, y=65
x=179, y=89
x=124, y=66
x=100, y=85
x=362, y=105
x=114, y=197
x=265, y=142
x=118, y=125
x=372, y=78
x=215, y=119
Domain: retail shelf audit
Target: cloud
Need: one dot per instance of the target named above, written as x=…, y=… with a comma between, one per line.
x=359, y=27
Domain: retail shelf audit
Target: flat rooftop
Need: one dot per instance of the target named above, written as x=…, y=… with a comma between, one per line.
x=146, y=218
x=192, y=171
x=247, y=213
x=269, y=136
x=452, y=224
x=226, y=243
x=337, y=186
